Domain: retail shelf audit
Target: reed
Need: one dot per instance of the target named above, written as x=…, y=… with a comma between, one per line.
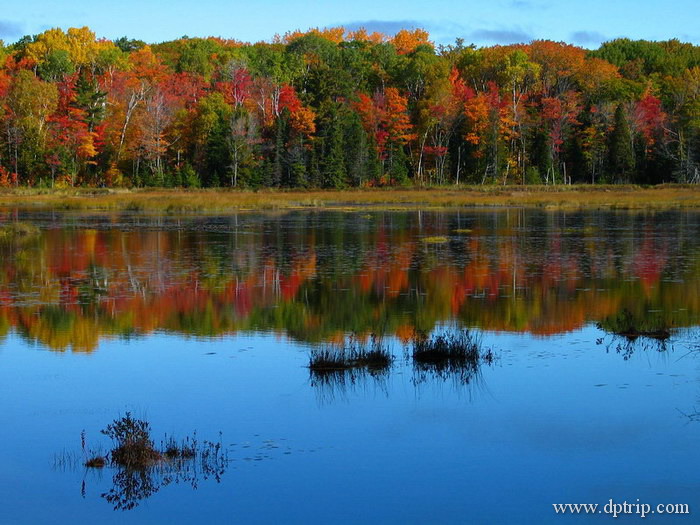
x=351, y=354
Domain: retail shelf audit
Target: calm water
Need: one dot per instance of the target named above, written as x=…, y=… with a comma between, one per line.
x=206, y=323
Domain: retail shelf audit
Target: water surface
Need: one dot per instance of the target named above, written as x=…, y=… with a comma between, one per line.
x=205, y=323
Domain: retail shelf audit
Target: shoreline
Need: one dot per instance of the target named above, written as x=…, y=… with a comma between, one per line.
x=621, y=197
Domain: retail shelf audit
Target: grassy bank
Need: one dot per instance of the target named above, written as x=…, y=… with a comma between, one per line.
x=173, y=201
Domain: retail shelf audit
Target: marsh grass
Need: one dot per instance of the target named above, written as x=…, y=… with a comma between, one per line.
x=223, y=200
x=336, y=369
x=351, y=355
x=141, y=468
x=457, y=354
x=186, y=449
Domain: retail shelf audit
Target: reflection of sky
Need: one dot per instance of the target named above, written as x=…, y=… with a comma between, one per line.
x=496, y=22
x=536, y=430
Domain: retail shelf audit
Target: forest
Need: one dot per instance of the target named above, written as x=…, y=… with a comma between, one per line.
x=330, y=108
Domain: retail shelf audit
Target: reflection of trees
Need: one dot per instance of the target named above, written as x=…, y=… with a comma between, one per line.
x=628, y=346
x=316, y=275
x=131, y=486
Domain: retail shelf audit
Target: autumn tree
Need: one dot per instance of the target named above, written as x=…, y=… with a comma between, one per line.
x=30, y=102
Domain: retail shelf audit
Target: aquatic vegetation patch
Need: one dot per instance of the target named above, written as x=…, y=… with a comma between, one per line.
x=141, y=468
x=175, y=450
x=96, y=462
x=336, y=369
x=133, y=445
x=437, y=239
x=462, y=346
x=457, y=354
x=351, y=354
x=134, y=449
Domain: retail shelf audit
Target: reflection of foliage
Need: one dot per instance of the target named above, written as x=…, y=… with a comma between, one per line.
x=693, y=416
x=18, y=232
x=627, y=346
x=93, y=289
x=316, y=275
x=131, y=486
x=627, y=325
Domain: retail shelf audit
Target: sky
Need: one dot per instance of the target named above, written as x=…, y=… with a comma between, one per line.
x=482, y=22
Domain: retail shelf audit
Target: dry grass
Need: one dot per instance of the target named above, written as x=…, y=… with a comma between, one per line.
x=176, y=201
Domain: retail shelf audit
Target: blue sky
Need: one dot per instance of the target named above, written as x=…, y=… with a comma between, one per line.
x=483, y=22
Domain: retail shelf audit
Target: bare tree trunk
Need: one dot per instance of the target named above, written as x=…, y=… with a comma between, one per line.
x=459, y=163
x=131, y=106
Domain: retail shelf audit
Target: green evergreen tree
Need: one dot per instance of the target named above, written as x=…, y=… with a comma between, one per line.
x=91, y=99
x=621, y=151
x=295, y=175
x=357, y=153
x=398, y=165
x=374, y=164
x=278, y=160
x=334, y=172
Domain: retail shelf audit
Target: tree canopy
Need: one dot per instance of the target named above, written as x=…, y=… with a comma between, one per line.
x=336, y=108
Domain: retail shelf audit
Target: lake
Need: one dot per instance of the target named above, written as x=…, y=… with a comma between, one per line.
x=205, y=324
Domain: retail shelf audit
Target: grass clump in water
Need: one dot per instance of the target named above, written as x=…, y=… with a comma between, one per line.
x=461, y=347
x=135, y=450
x=184, y=450
x=133, y=445
x=141, y=469
x=96, y=462
x=459, y=354
x=335, y=369
x=351, y=354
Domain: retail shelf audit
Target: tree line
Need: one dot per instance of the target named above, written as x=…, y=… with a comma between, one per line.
x=333, y=108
